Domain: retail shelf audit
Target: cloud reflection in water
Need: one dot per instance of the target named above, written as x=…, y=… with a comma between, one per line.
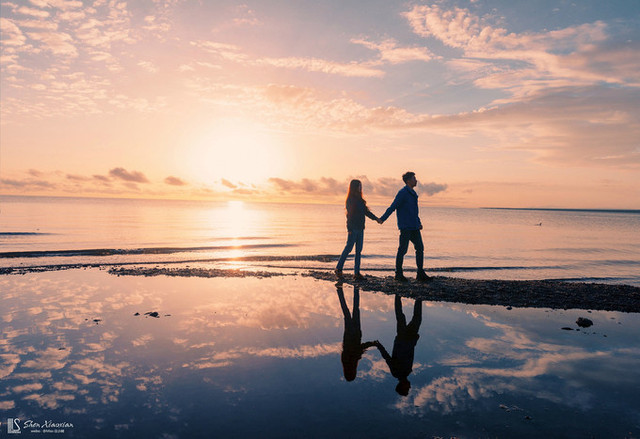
x=274, y=345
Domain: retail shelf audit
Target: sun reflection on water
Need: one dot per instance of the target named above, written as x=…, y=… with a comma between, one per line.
x=238, y=224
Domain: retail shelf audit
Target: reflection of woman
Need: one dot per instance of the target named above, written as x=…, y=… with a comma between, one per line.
x=356, y=211
x=400, y=361
x=352, y=346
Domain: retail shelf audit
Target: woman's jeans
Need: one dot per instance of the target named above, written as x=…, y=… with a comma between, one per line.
x=354, y=237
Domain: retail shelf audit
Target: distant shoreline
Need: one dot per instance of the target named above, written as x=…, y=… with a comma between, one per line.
x=558, y=209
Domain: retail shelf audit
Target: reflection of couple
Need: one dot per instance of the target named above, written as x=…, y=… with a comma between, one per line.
x=352, y=346
x=400, y=361
x=406, y=207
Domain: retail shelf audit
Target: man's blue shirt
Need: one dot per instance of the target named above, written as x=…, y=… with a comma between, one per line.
x=406, y=206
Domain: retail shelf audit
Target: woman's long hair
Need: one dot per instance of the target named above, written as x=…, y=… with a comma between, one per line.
x=355, y=191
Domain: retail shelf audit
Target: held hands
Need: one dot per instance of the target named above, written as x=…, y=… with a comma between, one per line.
x=379, y=221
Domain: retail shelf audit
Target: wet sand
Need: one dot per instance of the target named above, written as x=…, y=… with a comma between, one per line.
x=515, y=293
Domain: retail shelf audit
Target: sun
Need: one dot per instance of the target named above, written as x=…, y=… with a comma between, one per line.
x=235, y=151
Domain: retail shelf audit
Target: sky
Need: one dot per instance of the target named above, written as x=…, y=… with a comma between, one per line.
x=490, y=102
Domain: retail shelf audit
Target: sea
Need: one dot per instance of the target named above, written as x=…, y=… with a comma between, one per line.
x=86, y=352
x=482, y=243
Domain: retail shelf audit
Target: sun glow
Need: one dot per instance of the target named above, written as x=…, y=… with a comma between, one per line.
x=235, y=152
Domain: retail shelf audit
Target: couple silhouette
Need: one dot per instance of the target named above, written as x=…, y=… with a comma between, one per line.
x=400, y=362
x=405, y=205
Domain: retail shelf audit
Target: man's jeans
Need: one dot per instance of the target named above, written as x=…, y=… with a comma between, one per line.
x=416, y=238
x=354, y=237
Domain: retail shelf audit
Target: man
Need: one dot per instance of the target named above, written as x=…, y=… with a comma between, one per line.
x=406, y=206
x=400, y=362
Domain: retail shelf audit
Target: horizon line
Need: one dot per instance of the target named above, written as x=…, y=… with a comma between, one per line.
x=566, y=209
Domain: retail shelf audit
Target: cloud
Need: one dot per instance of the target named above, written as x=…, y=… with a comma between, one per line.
x=304, y=185
x=235, y=54
x=73, y=177
x=304, y=351
x=246, y=192
x=595, y=126
x=7, y=405
x=101, y=178
x=528, y=361
x=580, y=55
x=246, y=17
x=322, y=66
x=63, y=5
x=27, y=388
x=459, y=28
x=53, y=42
x=568, y=126
x=39, y=3
x=390, y=52
x=174, y=181
x=383, y=187
x=148, y=66
x=35, y=173
x=11, y=33
x=48, y=359
x=25, y=184
x=37, y=13
x=228, y=184
x=123, y=174
x=229, y=358
x=305, y=106
x=431, y=188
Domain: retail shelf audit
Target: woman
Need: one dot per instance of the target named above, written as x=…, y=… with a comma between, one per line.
x=356, y=211
x=352, y=346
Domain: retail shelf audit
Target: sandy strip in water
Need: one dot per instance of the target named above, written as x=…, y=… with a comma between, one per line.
x=524, y=293
x=518, y=293
x=515, y=293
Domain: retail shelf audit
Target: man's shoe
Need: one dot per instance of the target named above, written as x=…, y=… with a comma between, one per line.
x=338, y=272
x=358, y=276
x=423, y=277
x=400, y=278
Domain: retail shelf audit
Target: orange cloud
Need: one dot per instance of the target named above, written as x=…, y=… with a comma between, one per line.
x=174, y=181
x=133, y=176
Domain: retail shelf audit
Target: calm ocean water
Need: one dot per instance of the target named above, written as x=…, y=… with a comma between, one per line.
x=602, y=246
x=129, y=356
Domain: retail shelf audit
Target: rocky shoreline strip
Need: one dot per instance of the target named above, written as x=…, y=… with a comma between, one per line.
x=524, y=293
x=190, y=272
x=515, y=293
x=21, y=270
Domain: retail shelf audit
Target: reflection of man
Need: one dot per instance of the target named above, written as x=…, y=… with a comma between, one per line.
x=352, y=346
x=406, y=206
x=400, y=362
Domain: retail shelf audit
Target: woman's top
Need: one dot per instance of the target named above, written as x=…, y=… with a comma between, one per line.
x=356, y=211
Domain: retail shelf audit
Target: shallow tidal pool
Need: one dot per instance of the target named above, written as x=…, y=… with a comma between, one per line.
x=83, y=353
